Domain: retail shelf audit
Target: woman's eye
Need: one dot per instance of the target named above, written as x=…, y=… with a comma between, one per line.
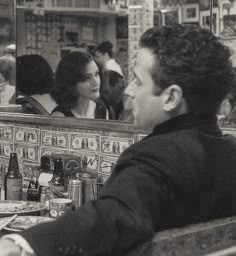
x=87, y=78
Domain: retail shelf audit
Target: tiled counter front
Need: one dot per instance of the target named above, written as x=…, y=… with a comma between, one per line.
x=31, y=142
x=34, y=136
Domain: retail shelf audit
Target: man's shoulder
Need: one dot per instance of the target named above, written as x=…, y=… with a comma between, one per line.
x=165, y=147
x=168, y=140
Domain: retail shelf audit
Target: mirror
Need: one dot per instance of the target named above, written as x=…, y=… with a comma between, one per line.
x=7, y=55
x=54, y=28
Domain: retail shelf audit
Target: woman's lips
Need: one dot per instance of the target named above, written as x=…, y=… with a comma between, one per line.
x=95, y=90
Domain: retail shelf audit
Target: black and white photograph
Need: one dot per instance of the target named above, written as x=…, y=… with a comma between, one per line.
x=117, y=127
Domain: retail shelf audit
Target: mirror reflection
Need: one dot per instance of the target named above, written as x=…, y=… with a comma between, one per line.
x=63, y=33
x=107, y=30
x=7, y=55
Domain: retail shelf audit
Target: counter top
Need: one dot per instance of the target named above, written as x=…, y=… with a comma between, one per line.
x=193, y=240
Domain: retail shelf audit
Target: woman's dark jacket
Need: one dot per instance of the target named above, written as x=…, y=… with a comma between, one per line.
x=100, y=112
x=184, y=172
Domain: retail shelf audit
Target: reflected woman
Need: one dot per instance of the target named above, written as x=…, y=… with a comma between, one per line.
x=77, y=89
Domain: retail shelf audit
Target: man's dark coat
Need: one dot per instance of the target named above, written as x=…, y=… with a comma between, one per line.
x=182, y=173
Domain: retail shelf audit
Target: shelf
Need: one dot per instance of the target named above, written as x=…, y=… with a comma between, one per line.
x=74, y=11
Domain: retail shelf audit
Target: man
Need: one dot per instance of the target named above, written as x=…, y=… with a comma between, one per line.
x=182, y=173
x=112, y=77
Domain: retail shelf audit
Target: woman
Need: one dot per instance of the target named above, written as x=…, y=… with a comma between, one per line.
x=35, y=79
x=77, y=89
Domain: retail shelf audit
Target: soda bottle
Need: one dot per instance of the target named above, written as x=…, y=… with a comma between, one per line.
x=13, y=180
x=58, y=178
x=33, y=188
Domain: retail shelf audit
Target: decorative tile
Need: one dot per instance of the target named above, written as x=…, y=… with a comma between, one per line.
x=27, y=135
x=50, y=151
x=107, y=164
x=6, y=132
x=55, y=139
x=4, y=165
x=115, y=146
x=92, y=159
x=27, y=153
x=3, y=170
x=6, y=149
x=89, y=142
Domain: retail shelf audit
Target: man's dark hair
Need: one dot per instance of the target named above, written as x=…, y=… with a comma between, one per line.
x=105, y=47
x=34, y=75
x=194, y=59
x=70, y=71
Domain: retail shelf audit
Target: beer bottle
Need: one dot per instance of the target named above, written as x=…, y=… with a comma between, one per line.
x=58, y=178
x=13, y=180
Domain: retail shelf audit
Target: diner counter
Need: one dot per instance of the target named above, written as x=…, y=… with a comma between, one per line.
x=213, y=238
x=194, y=240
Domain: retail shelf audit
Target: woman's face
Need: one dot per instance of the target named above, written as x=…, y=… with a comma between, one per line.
x=90, y=87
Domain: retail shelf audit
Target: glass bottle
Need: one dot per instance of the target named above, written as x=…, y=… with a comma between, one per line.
x=13, y=180
x=45, y=165
x=33, y=188
x=58, y=178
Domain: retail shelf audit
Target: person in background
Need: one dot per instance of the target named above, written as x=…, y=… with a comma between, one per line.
x=7, y=91
x=35, y=79
x=77, y=89
x=10, y=54
x=104, y=56
x=182, y=173
x=112, y=76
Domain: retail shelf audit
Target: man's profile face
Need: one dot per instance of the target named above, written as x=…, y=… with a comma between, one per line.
x=100, y=58
x=147, y=106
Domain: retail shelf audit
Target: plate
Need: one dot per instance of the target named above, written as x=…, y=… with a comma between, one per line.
x=10, y=207
x=21, y=223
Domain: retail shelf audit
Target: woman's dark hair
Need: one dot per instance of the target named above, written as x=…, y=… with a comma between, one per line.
x=105, y=47
x=194, y=59
x=33, y=75
x=70, y=71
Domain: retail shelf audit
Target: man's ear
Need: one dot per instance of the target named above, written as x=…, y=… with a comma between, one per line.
x=172, y=98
